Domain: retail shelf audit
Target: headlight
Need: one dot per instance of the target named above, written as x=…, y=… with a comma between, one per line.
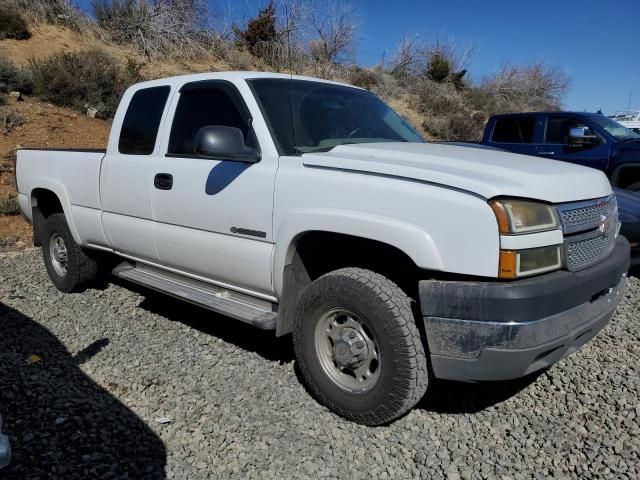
x=531, y=261
x=522, y=216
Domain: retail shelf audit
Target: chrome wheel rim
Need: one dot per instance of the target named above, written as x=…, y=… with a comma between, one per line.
x=347, y=351
x=58, y=254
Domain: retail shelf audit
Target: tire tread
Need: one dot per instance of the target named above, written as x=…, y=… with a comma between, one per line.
x=403, y=331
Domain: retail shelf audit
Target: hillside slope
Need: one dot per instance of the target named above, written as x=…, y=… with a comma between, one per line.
x=49, y=126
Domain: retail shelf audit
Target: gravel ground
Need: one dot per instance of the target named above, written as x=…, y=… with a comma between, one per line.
x=112, y=361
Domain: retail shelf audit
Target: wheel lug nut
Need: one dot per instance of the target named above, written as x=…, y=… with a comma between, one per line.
x=359, y=344
x=352, y=334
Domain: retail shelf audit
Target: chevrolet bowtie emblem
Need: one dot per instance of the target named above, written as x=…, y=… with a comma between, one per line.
x=603, y=223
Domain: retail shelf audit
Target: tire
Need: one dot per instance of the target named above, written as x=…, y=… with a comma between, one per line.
x=380, y=386
x=78, y=270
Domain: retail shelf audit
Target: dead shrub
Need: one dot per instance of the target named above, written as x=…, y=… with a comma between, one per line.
x=12, y=25
x=10, y=119
x=60, y=12
x=240, y=60
x=363, y=78
x=14, y=78
x=162, y=27
x=9, y=205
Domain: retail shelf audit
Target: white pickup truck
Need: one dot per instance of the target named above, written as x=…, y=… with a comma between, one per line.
x=306, y=206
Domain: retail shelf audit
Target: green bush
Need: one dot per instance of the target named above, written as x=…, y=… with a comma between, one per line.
x=75, y=79
x=259, y=32
x=9, y=205
x=12, y=25
x=16, y=78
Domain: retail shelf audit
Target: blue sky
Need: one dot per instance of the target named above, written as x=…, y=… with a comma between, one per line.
x=597, y=43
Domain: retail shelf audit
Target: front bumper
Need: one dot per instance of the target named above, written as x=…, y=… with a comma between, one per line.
x=494, y=330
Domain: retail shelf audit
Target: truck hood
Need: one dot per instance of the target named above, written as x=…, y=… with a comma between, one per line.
x=485, y=172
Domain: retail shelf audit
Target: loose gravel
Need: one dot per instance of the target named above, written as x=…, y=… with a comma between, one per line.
x=130, y=384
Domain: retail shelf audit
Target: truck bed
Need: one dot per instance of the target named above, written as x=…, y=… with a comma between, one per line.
x=83, y=150
x=73, y=175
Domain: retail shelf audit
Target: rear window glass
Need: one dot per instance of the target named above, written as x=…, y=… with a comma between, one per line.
x=514, y=130
x=142, y=120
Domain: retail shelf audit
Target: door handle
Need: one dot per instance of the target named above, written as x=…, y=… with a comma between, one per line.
x=163, y=181
x=547, y=153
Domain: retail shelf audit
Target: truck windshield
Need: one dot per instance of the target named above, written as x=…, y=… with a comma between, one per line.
x=306, y=116
x=613, y=128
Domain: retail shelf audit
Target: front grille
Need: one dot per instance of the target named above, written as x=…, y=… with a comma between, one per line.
x=581, y=254
x=582, y=216
x=590, y=230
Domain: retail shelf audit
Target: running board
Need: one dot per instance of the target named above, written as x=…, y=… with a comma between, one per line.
x=245, y=308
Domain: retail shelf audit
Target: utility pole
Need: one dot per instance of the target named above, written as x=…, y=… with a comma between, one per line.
x=629, y=104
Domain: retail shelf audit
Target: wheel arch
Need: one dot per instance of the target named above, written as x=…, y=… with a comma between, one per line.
x=48, y=198
x=313, y=243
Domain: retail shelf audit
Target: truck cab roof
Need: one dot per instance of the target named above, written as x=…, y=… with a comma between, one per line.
x=231, y=76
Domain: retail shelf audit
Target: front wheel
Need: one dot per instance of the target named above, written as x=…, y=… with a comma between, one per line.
x=358, y=346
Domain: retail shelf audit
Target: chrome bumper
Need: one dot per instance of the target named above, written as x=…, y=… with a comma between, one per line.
x=467, y=338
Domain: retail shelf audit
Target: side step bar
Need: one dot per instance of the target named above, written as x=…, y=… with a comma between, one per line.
x=257, y=312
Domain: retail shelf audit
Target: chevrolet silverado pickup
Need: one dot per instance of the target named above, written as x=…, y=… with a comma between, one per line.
x=310, y=207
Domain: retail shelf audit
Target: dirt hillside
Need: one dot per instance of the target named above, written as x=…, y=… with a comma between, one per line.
x=45, y=126
x=49, y=126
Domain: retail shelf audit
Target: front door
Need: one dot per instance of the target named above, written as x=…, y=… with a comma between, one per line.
x=215, y=221
x=556, y=144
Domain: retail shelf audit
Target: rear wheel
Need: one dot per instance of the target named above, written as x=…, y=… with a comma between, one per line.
x=69, y=267
x=358, y=346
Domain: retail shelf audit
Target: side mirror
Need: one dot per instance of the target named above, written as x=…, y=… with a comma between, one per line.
x=578, y=137
x=218, y=142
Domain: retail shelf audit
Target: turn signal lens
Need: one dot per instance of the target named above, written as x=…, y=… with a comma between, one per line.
x=522, y=263
x=508, y=267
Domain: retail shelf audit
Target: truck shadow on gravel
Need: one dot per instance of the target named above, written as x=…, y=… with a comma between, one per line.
x=456, y=397
x=245, y=336
x=59, y=422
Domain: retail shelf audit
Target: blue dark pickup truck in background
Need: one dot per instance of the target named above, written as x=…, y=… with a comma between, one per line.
x=588, y=139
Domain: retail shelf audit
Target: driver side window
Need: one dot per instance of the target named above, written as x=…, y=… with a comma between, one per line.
x=201, y=107
x=558, y=129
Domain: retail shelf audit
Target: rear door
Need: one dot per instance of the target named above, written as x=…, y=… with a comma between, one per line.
x=556, y=143
x=127, y=174
x=215, y=221
x=515, y=133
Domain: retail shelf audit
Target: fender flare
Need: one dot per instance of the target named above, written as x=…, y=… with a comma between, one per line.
x=61, y=192
x=416, y=243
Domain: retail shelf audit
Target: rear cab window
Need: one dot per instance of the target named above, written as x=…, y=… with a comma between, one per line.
x=141, y=122
x=520, y=129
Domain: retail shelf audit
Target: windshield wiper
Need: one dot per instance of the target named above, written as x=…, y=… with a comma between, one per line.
x=314, y=149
